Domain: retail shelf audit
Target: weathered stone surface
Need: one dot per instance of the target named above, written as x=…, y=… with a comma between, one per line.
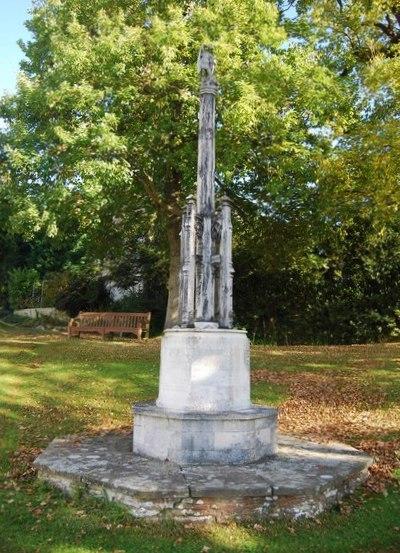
x=231, y=437
x=107, y=460
x=206, y=274
x=203, y=413
x=204, y=370
x=188, y=264
x=204, y=277
x=226, y=271
x=223, y=482
x=303, y=479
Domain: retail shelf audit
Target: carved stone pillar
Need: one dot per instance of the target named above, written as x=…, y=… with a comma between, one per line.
x=205, y=187
x=226, y=271
x=188, y=261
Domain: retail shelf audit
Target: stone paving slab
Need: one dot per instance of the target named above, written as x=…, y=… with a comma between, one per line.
x=108, y=460
x=227, y=481
x=303, y=479
x=300, y=468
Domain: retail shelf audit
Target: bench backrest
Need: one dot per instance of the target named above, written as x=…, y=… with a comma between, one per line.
x=114, y=320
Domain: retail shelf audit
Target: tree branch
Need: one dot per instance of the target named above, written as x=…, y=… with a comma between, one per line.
x=396, y=14
x=151, y=191
x=389, y=30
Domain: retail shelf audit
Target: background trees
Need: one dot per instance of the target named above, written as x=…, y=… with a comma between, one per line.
x=101, y=145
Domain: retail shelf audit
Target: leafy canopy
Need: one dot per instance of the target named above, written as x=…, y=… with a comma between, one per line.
x=104, y=123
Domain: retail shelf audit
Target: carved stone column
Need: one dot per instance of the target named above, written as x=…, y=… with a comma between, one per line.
x=188, y=261
x=226, y=271
x=205, y=187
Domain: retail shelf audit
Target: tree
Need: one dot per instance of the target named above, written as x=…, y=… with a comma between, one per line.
x=337, y=285
x=103, y=127
x=360, y=41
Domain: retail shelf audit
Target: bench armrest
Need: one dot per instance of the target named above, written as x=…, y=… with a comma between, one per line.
x=72, y=325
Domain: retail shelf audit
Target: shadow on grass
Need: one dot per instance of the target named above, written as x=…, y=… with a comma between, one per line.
x=50, y=386
x=317, y=358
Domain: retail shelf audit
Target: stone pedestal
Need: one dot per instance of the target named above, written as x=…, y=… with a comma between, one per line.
x=203, y=413
x=204, y=370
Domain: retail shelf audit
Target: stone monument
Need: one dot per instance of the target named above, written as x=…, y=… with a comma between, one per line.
x=202, y=452
x=203, y=413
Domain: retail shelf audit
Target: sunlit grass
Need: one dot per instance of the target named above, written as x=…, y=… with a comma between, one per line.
x=51, y=386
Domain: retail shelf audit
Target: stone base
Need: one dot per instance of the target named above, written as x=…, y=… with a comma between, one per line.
x=302, y=480
x=204, y=369
x=233, y=437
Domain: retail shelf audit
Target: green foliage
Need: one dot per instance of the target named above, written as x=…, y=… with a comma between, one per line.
x=142, y=274
x=349, y=294
x=99, y=152
x=84, y=291
x=103, y=125
x=23, y=288
x=53, y=286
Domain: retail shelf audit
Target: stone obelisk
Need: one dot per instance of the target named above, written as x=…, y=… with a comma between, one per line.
x=203, y=413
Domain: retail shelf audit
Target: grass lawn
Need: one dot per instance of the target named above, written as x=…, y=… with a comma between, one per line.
x=50, y=386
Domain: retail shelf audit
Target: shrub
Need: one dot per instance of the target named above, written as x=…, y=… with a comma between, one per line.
x=23, y=288
x=84, y=292
x=54, y=285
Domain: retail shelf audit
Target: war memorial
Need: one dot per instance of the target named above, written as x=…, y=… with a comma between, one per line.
x=202, y=451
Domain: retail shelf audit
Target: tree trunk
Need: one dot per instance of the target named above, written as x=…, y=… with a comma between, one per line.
x=172, y=315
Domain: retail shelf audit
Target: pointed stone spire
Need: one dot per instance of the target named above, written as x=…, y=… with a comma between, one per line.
x=206, y=236
x=206, y=142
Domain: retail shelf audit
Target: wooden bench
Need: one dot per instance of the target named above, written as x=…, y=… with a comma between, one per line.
x=137, y=324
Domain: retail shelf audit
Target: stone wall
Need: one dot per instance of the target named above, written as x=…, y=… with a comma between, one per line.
x=37, y=312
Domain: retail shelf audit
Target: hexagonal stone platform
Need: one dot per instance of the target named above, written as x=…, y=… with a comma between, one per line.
x=303, y=479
